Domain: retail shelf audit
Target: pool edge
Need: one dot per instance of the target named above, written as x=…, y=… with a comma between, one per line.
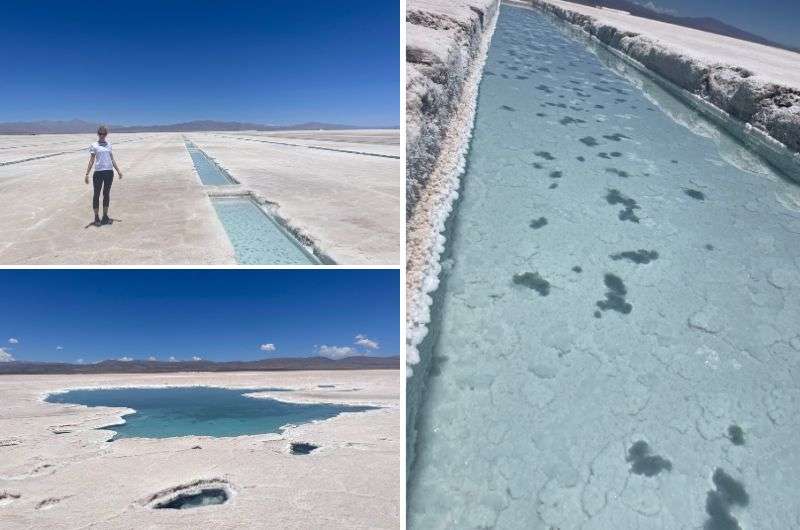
x=426, y=231
x=761, y=142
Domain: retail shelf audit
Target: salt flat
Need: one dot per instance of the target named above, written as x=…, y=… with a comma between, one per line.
x=162, y=214
x=369, y=142
x=58, y=471
x=345, y=204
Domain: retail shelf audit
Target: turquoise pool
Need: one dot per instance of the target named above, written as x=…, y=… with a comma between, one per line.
x=199, y=411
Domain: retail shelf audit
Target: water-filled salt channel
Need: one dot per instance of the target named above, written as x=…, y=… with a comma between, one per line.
x=616, y=342
x=256, y=236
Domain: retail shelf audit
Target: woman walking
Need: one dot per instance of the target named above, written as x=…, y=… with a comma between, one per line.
x=103, y=159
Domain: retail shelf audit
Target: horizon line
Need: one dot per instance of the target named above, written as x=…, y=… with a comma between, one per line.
x=196, y=120
x=391, y=356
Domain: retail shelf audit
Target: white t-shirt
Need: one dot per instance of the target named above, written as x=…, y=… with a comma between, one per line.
x=102, y=161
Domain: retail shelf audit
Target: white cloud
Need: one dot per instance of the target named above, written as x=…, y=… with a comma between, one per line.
x=196, y=358
x=151, y=358
x=172, y=359
x=59, y=348
x=363, y=340
x=340, y=352
x=79, y=361
x=12, y=340
x=337, y=352
x=658, y=9
x=5, y=357
x=125, y=359
x=267, y=347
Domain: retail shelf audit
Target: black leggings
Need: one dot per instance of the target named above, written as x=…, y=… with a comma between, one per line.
x=102, y=180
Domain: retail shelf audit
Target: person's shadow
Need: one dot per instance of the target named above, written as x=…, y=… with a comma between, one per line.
x=111, y=219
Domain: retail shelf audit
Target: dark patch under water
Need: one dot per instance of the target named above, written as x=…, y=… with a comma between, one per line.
x=619, y=172
x=556, y=174
x=532, y=280
x=507, y=107
x=729, y=492
x=615, y=296
x=639, y=257
x=569, y=119
x=544, y=154
x=736, y=435
x=695, y=194
x=589, y=141
x=577, y=268
x=615, y=197
x=644, y=463
x=553, y=186
x=538, y=223
x=616, y=137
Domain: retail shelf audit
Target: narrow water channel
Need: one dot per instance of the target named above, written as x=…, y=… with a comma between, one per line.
x=257, y=238
x=209, y=171
x=617, y=343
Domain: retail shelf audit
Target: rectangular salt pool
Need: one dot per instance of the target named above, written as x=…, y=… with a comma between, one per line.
x=617, y=343
x=256, y=237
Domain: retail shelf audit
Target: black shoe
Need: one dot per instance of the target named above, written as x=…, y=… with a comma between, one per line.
x=105, y=221
x=97, y=221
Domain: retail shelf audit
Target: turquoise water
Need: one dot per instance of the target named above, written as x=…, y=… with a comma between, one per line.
x=209, y=172
x=257, y=239
x=199, y=411
x=616, y=342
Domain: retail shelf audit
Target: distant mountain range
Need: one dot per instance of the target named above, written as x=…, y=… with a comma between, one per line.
x=80, y=126
x=711, y=25
x=150, y=367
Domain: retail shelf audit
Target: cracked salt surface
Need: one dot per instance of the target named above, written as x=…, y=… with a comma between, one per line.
x=536, y=404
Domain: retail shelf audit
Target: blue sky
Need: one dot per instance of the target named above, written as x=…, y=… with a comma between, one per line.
x=66, y=315
x=151, y=61
x=776, y=20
